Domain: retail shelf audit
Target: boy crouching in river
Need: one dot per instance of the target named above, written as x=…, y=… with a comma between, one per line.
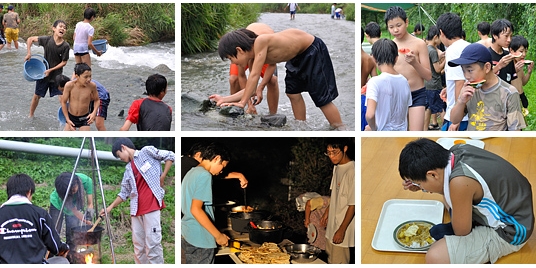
x=79, y=93
x=309, y=67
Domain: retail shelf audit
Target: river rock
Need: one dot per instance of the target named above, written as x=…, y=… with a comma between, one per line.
x=232, y=111
x=162, y=68
x=275, y=120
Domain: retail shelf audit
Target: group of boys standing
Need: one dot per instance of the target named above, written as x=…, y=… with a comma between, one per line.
x=84, y=100
x=406, y=62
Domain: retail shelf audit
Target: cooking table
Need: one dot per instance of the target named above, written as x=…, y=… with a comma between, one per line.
x=244, y=239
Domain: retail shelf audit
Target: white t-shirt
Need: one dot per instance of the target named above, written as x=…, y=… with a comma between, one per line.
x=342, y=195
x=453, y=73
x=393, y=97
x=83, y=31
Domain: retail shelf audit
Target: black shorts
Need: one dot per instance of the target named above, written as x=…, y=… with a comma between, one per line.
x=312, y=71
x=81, y=53
x=43, y=85
x=79, y=121
x=418, y=98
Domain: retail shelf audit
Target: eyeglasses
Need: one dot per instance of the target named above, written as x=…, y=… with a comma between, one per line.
x=418, y=185
x=332, y=153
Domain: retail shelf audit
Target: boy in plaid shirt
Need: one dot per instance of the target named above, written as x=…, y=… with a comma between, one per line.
x=143, y=182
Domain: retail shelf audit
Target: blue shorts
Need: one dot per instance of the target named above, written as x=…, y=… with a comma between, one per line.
x=42, y=85
x=418, y=98
x=292, y=12
x=434, y=102
x=102, y=111
x=447, y=123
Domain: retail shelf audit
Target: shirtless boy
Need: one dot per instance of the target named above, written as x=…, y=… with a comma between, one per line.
x=309, y=67
x=237, y=79
x=414, y=65
x=79, y=93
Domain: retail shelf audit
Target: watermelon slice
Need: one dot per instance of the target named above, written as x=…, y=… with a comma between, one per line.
x=404, y=50
x=528, y=62
x=517, y=54
x=477, y=84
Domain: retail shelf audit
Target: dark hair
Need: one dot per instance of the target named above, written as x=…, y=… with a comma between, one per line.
x=432, y=32
x=450, y=24
x=519, y=41
x=242, y=38
x=483, y=27
x=196, y=147
x=385, y=51
x=89, y=13
x=463, y=34
x=155, y=84
x=420, y=156
x=214, y=149
x=395, y=12
x=362, y=35
x=373, y=30
x=122, y=141
x=340, y=143
x=81, y=68
x=57, y=22
x=62, y=183
x=20, y=184
x=419, y=27
x=499, y=26
x=61, y=80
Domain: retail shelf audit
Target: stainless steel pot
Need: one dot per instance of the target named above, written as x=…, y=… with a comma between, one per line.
x=303, y=253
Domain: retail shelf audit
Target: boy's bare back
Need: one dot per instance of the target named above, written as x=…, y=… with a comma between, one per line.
x=419, y=49
x=79, y=97
x=260, y=28
x=282, y=46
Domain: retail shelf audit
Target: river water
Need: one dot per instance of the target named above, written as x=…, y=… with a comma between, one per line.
x=205, y=74
x=122, y=70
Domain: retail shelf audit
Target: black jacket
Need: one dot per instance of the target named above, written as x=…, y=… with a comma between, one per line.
x=26, y=233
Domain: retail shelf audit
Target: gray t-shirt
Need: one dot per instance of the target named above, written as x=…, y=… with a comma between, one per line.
x=435, y=82
x=507, y=203
x=497, y=108
x=54, y=54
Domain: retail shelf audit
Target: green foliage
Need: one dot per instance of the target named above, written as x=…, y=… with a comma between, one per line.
x=202, y=25
x=241, y=15
x=114, y=26
x=120, y=24
x=310, y=170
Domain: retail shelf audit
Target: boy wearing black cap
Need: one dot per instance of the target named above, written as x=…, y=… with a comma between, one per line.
x=490, y=102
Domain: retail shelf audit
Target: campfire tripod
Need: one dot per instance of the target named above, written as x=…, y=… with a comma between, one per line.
x=94, y=167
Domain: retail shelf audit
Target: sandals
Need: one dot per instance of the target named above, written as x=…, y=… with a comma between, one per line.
x=433, y=127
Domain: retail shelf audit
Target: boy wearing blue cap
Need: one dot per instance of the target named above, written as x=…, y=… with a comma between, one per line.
x=490, y=102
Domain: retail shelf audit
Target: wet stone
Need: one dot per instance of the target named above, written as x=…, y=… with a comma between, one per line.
x=232, y=111
x=275, y=120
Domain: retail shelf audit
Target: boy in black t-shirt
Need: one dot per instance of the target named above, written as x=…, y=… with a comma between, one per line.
x=151, y=113
x=503, y=66
x=56, y=54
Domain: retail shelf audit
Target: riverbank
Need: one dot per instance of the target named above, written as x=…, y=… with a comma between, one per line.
x=122, y=70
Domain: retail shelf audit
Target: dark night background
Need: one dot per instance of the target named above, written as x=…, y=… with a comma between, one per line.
x=265, y=162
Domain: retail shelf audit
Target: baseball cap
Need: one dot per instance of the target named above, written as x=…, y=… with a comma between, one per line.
x=10, y=7
x=472, y=53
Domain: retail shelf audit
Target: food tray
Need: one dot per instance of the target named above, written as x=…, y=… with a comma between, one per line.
x=397, y=211
x=449, y=142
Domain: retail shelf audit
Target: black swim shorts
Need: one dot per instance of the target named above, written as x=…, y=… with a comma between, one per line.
x=312, y=71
